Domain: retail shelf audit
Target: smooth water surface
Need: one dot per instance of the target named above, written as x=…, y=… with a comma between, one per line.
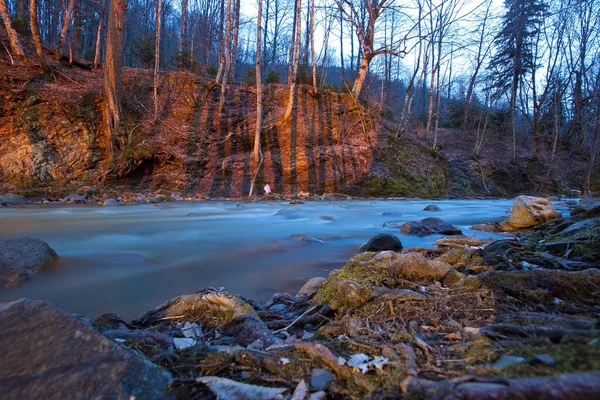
x=129, y=259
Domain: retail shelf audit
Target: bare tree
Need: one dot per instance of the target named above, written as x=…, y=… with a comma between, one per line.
x=158, y=4
x=257, y=153
x=226, y=55
x=37, y=39
x=99, y=34
x=294, y=62
x=15, y=46
x=366, y=35
x=483, y=49
x=113, y=71
x=67, y=13
x=312, y=46
x=183, y=33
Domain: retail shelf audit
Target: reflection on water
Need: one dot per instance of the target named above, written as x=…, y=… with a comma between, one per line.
x=130, y=259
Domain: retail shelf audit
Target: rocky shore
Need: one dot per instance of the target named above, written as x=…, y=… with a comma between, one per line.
x=469, y=319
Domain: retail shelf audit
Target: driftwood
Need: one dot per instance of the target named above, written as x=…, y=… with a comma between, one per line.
x=575, y=386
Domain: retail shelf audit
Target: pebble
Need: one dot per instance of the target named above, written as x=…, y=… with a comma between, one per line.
x=319, y=378
x=507, y=361
x=545, y=359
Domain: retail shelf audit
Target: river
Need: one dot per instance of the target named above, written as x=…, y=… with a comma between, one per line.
x=130, y=259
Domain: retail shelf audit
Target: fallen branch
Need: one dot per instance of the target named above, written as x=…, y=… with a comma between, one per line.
x=562, y=387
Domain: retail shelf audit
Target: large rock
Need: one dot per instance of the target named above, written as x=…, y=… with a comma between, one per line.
x=430, y=226
x=13, y=200
x=22, y=258
x=529, y=211
x=215, y=309
x=382, y=242
x=311, y=287
x=48, y=354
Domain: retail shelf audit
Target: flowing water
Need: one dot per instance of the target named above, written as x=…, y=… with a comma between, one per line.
x=130, y=259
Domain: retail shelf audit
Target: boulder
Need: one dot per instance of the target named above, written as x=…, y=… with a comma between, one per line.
x=487, y=227
x=111, y=203
x=430, y=226
x=414, y=267
x=215, y=309
x=11, y=199
x=459, y=242
x=49, y=354
x=311, y=287
x=22, y=258
x=75, y=198
x=432, y=207
x=347, y=294
x=528, y=212
x=382, y=242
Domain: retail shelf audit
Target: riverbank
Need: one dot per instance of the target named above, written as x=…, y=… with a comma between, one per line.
x=468, y=319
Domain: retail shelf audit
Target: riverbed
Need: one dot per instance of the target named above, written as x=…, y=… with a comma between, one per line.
x=129, y=259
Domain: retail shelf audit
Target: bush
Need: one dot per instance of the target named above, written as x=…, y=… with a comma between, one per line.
x=250, y=77
x=273, y=77
x=144, y=47
x=21, y=26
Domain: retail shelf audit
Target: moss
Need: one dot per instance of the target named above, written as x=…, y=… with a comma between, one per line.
x=544, y=287
x=569, y=357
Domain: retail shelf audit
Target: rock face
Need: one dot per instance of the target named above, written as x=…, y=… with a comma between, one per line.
x=529, y=211
x=382, y=242
x=430, y=226
x=48, y=354
x=22, y=258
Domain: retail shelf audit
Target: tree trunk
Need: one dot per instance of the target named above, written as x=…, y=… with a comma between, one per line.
x=99, y=36
x=312, y=47
x=296, y=59
x=77, y=31
x=15, y=46
x=291, y=76
x=158, y=4
x=21, y=9
x=183, y=33
x=257, y=154
x=222, y=44
x=361, y=75
x=64, y=28
x=227, y=57
x=35, y=32
x=113, y=68
x=236, y=36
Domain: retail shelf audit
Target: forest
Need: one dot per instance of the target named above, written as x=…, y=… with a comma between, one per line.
x=525, y=70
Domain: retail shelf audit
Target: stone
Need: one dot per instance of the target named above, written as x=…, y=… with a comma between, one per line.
x=278, y=308
x=22, y=258
x=319, y=378
x=382, y=242
x=311, y=287
x=507, y=361
x=394, y=214
x=111, y=203
x=75, y=198
x=215, y=309
x=49, y=354
x=326, y=218
x=528, y=211
x=393, y=224
x=459, y=242
x=432, y=207
x=488, y=227
x=545, y=359
x=308, y=239
x=11, y=199
x=430, y=226
x=415, y=267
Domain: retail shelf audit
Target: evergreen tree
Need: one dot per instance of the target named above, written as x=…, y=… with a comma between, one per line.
x=514, y=57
